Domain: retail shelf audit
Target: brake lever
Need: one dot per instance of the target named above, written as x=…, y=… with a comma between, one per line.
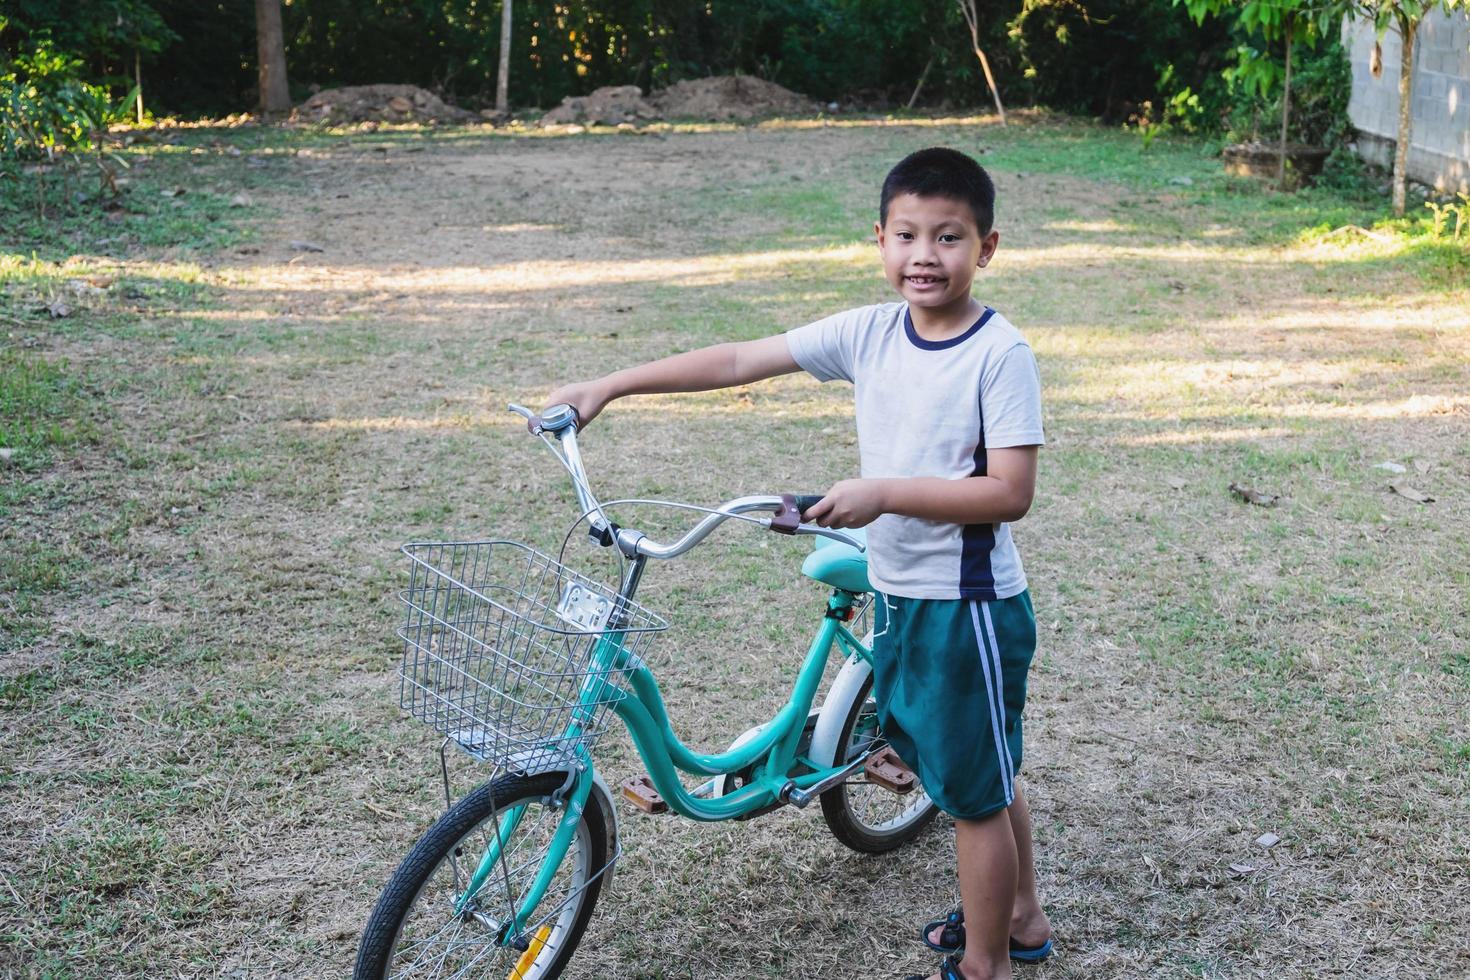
x=833, y=533
x=528, y=415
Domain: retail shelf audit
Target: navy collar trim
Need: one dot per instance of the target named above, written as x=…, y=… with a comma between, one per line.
x=922, y=344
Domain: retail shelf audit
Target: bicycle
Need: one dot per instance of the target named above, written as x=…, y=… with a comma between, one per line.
x=519, y=661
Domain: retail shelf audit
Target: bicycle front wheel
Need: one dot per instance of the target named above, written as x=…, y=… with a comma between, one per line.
x=415, y=931
x=863, y=815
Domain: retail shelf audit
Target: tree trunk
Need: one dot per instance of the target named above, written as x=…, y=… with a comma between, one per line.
x=923, y=77
x=1408, y=31
x=1285, y=111
x=138, y=84
x=972, y=21
x=990, y=80
x=502, y=77
x=270, y=46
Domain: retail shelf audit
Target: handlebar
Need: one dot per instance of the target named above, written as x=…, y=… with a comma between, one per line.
x=562, y=422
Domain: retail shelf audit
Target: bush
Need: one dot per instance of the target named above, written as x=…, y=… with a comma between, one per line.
x=47, y=110
x=106, y=36
x=49, y=114
x=569, y=47
x=1122, y=59
x=1321, y=83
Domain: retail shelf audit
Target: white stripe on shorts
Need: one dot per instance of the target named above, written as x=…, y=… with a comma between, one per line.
x=991, y=669
x=995, y=653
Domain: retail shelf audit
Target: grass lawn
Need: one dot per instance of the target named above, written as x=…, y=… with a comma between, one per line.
x=219, y=446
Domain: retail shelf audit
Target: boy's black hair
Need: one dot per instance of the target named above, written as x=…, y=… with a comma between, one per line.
x=942, y=172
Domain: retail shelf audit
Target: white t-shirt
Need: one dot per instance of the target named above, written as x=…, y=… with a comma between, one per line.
x=928, y=408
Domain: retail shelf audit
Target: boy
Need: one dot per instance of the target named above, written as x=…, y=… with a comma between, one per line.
x=949, y=422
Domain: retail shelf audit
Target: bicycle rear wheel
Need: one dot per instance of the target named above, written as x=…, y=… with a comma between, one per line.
x=415, y=932
x=863, y=815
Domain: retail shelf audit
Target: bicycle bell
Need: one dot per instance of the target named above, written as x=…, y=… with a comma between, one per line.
x=557, y=418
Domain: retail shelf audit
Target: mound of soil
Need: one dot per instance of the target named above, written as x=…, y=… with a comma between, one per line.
x=721, y=98
x=726, y=97
x=378, y=103
x=610, y=105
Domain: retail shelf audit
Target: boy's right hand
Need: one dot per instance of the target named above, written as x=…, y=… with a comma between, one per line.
x=587, y=397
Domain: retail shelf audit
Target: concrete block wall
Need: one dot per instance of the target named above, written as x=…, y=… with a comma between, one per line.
x=1439, y=152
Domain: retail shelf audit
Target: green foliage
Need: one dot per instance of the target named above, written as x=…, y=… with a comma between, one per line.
x=1265, y=27
x=1098, y=57
x=1390, y=13
x=1255, y=73
x=884, y=43
x=1178, y=112
x=1302, y=21
x=1121, y=59
x=200, y=58
x=95, y=30
x=1346, y=173
x=104, y=35
x=46, y=109
x=1266, y=33
x=1321, y=84
x=565, y=47
x=49, y=114
x=1441, y=213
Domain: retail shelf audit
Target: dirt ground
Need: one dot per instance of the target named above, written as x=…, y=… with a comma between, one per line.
x=224, y=762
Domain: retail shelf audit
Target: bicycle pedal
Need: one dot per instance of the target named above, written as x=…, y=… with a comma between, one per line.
x=886, y=769
x=639, y=791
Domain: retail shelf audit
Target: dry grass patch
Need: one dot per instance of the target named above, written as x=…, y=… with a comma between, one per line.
x=206, y=773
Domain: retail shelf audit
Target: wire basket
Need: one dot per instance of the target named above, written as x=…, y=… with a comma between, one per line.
x=510, y=654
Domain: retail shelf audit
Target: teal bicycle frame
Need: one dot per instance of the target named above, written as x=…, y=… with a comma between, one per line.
x=769, y=755
x=771, y=752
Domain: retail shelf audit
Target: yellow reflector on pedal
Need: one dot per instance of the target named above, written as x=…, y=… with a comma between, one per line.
x=528, y=958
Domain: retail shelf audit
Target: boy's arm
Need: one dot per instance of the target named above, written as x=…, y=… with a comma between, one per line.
x=1003, y=494
x=720, y=366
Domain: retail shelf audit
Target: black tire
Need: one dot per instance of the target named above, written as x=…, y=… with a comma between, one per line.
x=420, y=893
x=862, y=815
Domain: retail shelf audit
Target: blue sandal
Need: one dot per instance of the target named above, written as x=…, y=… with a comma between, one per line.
x=1030, y=954
x=949, y=969
x=952, y=933
x=952, y=939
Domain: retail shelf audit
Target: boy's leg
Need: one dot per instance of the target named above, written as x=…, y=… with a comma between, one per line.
x=952, y=704
x=1029, y=924
x=985, y=850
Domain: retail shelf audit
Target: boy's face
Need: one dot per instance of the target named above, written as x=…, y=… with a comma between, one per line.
x=931, y=248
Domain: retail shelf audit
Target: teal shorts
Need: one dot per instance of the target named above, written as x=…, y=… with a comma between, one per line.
x=949, y=677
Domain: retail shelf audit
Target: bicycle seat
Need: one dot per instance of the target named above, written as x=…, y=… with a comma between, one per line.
x=839, y=565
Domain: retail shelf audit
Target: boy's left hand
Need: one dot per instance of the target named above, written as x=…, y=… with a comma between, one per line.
x=850, y=503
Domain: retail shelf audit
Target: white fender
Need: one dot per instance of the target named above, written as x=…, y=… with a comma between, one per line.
x=550, y=763
x=837, y=705
x=717, y=786
x=599, y=786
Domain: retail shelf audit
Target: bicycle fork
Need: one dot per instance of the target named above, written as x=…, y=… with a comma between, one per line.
x=510, y=821
x=572, y=800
